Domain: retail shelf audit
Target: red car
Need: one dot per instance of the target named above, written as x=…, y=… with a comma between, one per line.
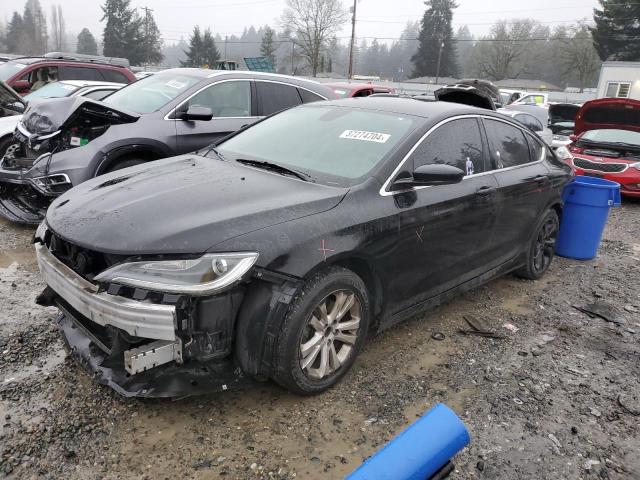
x=345, y=90
x=606, y=143
x=27, y=74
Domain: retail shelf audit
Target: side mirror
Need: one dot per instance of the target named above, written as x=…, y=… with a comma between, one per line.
x=21, y=85
x=17, y=107
x=195, y=112
x=434, y=174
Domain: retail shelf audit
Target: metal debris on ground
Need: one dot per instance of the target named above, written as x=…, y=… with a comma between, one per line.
x=479, y=329
x=438, y=336
x=602, y=310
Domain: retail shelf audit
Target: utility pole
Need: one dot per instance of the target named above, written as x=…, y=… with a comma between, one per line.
x=438, y=65
x=147, y=48
x=353, y=38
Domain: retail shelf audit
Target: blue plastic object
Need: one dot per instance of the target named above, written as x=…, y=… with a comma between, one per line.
x=587, y=201
x=419, y=451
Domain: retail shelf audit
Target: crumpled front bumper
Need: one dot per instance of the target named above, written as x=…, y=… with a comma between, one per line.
x=171, y=380
x=20, y=201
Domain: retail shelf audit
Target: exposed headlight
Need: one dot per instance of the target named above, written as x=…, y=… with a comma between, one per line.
x=636, y=165
x=206, y=275
x=563, y=153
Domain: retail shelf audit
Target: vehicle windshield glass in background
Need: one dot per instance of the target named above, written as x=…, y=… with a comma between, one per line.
x=53, y=90
x=9, y=69
x=612, y=136
x=328, y=141
x=151, y=93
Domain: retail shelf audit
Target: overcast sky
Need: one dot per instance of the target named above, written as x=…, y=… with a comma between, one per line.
x=377, y=18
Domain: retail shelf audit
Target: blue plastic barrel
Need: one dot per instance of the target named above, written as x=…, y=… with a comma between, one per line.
x=419, y=451
x=587, y=201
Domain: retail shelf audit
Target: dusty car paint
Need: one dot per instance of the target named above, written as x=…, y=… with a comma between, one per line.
x=185, y=206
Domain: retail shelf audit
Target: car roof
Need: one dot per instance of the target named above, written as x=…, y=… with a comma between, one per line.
x=31, y=60
x=512, y=113
x=91, y=83
x=408, y=106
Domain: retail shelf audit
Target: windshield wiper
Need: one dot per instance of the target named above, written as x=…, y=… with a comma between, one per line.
x=216, y=151
x=274, y=167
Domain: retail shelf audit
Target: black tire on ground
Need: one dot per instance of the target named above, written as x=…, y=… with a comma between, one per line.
x=128, y=162
x=542, y=249
x=322, y=288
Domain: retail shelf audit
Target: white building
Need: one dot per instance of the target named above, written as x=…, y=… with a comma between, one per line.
x=619, y=80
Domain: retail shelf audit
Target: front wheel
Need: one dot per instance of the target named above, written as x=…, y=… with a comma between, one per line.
x=323, y=332
x=542, y=248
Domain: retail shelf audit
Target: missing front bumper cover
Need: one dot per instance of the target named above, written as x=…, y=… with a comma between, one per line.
x=152, y=355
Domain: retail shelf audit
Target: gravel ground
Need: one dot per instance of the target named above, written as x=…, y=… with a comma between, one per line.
x=558, y=398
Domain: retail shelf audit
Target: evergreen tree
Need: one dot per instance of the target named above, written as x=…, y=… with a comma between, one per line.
x=36, y=27
x=616, y=35
x=152, y=41
x=268, y=47
x=211, y=55
x=15, y=30
x=195, y=53
x=87, y=43
x=436, y=39
x=122, y=32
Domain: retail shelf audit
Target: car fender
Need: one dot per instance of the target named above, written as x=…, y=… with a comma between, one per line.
x=144, y=147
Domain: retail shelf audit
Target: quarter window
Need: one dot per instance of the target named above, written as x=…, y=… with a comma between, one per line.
x=275, y=97
x=113, y=76
x=507, y=144
x=457, y=143
x=225, y=99
x=308, y=97
x=538, y=151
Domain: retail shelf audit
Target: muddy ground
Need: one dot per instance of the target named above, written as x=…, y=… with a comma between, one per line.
x=557, y=399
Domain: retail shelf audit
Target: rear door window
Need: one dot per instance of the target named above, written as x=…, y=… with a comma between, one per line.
x=274, y=97
x=225, y=99
x=507, y=144
x=78, y=73
x=457, y=143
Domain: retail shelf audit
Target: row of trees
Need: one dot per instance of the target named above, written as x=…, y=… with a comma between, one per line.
x=27, y=33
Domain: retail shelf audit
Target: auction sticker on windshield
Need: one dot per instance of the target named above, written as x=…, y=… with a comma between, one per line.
x=365, y=136
x=176, y=84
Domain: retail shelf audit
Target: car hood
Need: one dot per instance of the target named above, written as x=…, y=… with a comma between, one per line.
x=184, y=204
x=7, y=97
x=466, y=94
x=618, y=113
x=563, y=113
x=47, y=115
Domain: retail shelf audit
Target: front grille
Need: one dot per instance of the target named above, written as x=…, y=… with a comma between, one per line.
x=86, y=263
x=599, y=167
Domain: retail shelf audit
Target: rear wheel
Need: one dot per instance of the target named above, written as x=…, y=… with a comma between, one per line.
x=323, y=332
x=542, y=249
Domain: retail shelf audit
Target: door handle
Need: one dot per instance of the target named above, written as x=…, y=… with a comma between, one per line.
x=541, y=179
x=486, y=190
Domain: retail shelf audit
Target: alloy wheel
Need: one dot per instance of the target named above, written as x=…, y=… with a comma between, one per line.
x=330, y=334
x=545, y=244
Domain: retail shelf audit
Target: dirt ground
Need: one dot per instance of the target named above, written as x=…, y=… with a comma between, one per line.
x=557, y=399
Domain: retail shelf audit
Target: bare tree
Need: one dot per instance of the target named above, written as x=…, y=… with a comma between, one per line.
x=58, y=33
x=499, y=54
x=577, y=55
x=313, y=23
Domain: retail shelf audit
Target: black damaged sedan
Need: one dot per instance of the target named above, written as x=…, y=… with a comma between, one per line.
x=276, y=254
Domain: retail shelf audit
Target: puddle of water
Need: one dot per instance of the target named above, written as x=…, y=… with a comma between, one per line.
x=21, y=256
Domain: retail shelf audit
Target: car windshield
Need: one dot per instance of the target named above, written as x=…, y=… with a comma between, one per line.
x=9, y=69
x=335, y=144
x=611, y=135
x=53, y=90
x=151, y=93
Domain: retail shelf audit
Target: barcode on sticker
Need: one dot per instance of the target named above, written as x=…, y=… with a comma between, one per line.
x=365, y=136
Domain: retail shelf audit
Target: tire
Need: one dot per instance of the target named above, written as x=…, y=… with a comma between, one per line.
x=542, y=249
x=5, y=143
x=304, y=323
x=129, y=162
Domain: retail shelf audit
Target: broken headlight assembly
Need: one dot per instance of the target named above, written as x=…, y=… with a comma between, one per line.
x=209, y=274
